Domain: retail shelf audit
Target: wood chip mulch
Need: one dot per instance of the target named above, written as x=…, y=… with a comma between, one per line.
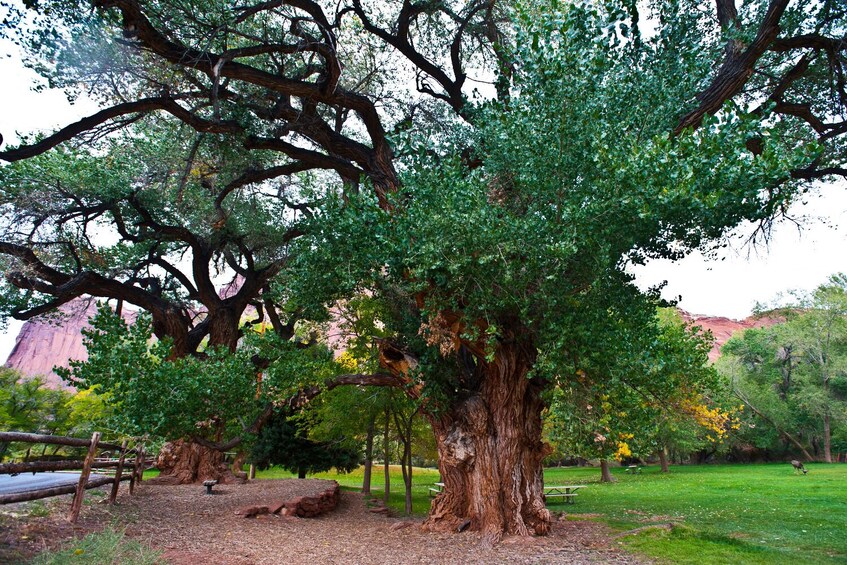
x=191, y=527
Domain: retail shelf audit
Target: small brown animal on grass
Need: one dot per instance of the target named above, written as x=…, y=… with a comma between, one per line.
x=798, y=466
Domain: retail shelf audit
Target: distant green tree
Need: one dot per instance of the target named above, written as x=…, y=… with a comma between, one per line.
x=823, y=330
x=27, y=405
x=350, y=415
x=355, y=416
x=217, y=400
x=793, y=375
x=283, y=441
x=655, y=394
x=89, y=411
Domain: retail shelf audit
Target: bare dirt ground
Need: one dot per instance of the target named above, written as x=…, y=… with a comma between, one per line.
x=193, y=528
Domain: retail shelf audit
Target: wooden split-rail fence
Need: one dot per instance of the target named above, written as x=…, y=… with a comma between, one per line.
x=132, y=460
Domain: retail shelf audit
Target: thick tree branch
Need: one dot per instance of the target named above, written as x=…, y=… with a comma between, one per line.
x=400, y=41
x=257, y=176
x=89, y=123
x=726, y=12
x=177, y=274
x=300, y=399
x=736, y=69
x=315, y=160
x=809, y=41
x=813, y=173
x=33, y=263
x=208, y=63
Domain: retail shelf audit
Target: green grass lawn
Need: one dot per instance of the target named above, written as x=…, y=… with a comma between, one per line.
x=725, y=513
x=729, y=513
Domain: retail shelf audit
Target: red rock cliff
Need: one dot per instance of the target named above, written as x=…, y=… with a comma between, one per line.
x=45, y=342
x=723, y=328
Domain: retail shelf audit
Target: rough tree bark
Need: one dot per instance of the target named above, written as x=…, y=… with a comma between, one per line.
x=223, y=327
x=186, y=462
x=490, y=451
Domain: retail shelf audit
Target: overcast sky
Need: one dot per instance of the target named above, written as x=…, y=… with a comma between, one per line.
x=795, y=259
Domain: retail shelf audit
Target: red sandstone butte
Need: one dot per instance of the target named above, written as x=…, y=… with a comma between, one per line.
x=724, y=328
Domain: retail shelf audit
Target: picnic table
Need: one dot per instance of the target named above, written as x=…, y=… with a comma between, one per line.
x=436, y=489
x=633, y=469
x=566, y=492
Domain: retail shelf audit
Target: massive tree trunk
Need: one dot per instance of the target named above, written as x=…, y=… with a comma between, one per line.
x=223, y=327
x=186, y=462
x=490, y=450
x=170, y=322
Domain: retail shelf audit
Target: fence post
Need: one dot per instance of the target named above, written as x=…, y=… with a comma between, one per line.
x=143, y=464
x=76, y=505
x=138, y=470
x=118, y=472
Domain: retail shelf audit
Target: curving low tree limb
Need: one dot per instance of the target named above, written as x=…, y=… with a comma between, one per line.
x=301, y=399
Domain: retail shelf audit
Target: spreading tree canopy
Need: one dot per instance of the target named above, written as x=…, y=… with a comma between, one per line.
x=174, y=225
x=495, y=222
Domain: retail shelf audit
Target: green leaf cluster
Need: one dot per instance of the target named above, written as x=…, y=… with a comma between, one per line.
x=214, y=395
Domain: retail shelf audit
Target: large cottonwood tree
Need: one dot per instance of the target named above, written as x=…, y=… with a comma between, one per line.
x=504, y=241
x=159, y=219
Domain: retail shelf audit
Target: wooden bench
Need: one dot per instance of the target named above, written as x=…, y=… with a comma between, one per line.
x=436, y=489
x=565, y=492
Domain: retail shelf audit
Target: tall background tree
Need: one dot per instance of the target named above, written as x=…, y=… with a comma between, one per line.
x=503, y=250
x=793, y=375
